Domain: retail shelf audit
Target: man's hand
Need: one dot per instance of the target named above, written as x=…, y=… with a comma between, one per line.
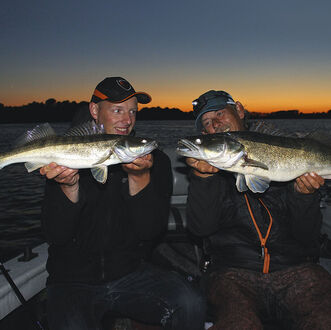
x=60, y=174
x=308, y=183
x=138, y=173
x=201, y=168
x=139, y=165
x=66, y=177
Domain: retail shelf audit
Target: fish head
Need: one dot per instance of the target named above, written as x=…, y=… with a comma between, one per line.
x=128, y=148
x=219, y=150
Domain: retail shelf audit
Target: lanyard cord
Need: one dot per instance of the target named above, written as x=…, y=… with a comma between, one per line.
x=263, y=240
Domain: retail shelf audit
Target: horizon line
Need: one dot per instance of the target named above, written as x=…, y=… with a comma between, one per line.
x=142, y=106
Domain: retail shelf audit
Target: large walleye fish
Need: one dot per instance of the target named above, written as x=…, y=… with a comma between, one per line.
x=84, y=146
x=259, y=158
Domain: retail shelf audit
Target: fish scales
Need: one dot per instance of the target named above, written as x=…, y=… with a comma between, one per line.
x=71, y=151
x=285, y=157
x=259, y=158
x=84, y=146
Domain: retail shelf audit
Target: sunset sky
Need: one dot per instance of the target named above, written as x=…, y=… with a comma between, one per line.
x=270, y=55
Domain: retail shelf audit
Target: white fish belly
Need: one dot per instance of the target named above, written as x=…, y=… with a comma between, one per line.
x=71, y=157
x=281, y=174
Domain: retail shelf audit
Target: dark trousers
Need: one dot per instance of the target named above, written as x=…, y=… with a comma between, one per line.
x=298, y=298
x=148, y=295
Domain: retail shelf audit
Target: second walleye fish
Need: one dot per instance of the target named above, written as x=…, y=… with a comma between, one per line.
x=85, y=146
x=259, y=158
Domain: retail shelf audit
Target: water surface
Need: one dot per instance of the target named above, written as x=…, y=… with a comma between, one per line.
x=21, y=192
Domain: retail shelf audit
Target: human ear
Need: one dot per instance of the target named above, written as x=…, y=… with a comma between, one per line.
x=94, y=110
x=240, y=110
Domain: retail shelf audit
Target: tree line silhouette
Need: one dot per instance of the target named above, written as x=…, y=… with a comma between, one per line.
x=55, y=111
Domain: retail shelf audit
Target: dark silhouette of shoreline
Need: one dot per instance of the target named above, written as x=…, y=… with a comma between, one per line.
x=54, y=111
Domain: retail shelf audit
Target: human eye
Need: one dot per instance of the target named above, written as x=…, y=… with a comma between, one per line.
x=116, y=110
x=133, y=112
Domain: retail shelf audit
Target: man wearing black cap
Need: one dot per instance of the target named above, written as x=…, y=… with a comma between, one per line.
x=263, y=247
x=101, y=235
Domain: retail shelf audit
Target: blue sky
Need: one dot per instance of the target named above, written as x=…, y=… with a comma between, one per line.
x=270, y=55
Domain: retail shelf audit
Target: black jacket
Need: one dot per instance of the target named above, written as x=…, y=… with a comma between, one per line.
x=108, y=232
x=218, y=212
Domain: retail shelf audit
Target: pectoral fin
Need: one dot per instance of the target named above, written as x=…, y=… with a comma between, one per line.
x=32, y=166
x=254, y=163
x=100, y=173
x=102, y=160
x=257, y=184
x=241, y=183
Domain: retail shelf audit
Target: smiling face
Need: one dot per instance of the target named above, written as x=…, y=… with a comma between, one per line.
x=117, y=118
x=224, y=120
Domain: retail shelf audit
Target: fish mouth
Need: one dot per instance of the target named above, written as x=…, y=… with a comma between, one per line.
x=149, y=146
x=185, y=147
x=128, y=153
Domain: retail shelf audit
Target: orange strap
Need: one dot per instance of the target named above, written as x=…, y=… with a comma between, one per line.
x=263, y=240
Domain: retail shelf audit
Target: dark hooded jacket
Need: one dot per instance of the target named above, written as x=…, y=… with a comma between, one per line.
x=219, y=213
x=107, y=233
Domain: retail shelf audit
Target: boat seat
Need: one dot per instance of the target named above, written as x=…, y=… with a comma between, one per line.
x=177, y=217
x=29, y=277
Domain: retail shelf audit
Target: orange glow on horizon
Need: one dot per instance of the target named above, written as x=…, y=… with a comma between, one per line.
x=265, y=105
x=186, y=107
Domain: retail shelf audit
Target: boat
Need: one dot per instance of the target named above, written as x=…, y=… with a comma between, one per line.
x=178, y=250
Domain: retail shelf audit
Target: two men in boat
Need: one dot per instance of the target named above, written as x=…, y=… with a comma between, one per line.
x=263, y=248
x=100, y=236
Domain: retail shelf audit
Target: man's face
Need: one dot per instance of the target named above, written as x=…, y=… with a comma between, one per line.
x=223, y=120
x=117, y=118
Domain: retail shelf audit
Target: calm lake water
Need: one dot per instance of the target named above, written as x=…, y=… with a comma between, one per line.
x=21, y=193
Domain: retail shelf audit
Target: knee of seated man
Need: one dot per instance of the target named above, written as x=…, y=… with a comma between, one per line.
x=191, y=300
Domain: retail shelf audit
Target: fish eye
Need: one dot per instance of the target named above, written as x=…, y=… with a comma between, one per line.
x=198, y=141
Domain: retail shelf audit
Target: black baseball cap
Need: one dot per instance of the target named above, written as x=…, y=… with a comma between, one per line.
x=210, y=101
x=117, y=90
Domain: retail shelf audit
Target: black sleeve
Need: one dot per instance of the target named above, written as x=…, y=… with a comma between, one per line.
x=205, y=204
x=149, y=209
x=59, y=215
x=305, y=215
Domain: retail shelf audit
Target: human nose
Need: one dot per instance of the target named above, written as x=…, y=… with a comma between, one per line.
x=127, y=118
x=216, y=123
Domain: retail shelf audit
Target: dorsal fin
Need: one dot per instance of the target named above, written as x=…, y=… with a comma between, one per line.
x=39, y=132
x=320, y=136
x=88, y=128
x=269, y=129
